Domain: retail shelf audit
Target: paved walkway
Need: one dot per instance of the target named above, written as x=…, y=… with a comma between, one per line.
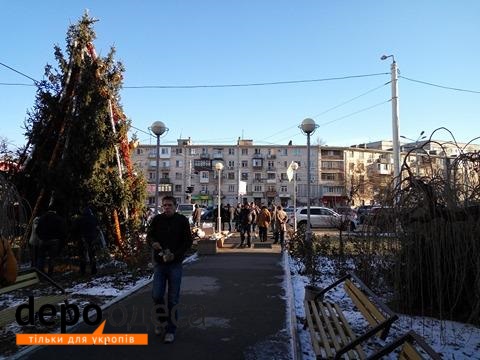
x=233, y=307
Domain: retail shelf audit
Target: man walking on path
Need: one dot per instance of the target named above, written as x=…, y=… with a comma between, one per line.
x=170, y=237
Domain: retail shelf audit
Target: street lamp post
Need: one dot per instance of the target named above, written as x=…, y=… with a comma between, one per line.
x=294, y=168
x=395, y=121
x=420, y=137
x=158, y=128
x=219, y=168
x=308, y=127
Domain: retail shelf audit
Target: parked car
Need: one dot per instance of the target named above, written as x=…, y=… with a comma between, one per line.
x=382, y=218
x=187, y=211
x=362, y=212
x=321, y=217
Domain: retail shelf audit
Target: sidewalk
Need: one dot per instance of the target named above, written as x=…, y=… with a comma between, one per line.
x=233, y=306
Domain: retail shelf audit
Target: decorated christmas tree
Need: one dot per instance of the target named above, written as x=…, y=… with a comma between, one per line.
x=78, y=152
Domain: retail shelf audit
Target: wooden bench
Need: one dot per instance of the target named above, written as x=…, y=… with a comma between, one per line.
x=411, y=341
x=25, y=280
x=331, y=334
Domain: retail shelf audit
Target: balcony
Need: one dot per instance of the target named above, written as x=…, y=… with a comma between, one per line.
x=217, y=156
x=271, y=194
x=165, y=180
x=258, y=156
x=258, y=181
x=204, y=156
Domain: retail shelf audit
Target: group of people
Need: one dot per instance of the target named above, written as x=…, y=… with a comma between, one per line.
x=246, y=217
x=50, y=234
x=252, y=216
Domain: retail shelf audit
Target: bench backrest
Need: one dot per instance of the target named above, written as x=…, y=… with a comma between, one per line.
x=22, y=281
x=409, y=352
x=364, y=305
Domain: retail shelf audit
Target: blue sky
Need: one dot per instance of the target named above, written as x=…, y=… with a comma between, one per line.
x=238, y=42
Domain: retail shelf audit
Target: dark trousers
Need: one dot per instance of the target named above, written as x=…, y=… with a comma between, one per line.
x=47, y=253
x=87, y=252
x=245, y=229
x=262, y=233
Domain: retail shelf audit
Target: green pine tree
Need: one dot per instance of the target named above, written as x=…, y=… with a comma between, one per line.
x=77, y=139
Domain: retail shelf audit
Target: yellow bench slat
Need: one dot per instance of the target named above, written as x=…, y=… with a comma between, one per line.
x=7, y=316
x=368, y=309
x=409, y=352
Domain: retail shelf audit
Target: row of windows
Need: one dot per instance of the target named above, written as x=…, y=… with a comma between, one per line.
x=231, y=188
x=207, y=163
x=230, y=151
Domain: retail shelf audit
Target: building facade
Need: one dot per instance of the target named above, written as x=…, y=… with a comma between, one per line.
x=351, y=176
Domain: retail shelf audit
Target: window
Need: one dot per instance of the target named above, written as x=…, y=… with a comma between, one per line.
x=165, y=151
x=271, y=164
x=283, y=188
x=271, y=188
x=328, y=176
x=244, y=151
x=231, y=151
x=283, y=176
x=231, y=188
x=204, y=175
x=193, y=151
x=165, y=164
x=151, y=175
x=257, y=162
x=178, y=188
x=178, y=151
x=231, y=164
x=297, y=152
x=231, y=175
x=271, y=176
x=257, y=188
x=284, y=152
x=258, y=176
x=244, y=163
x=178, y=163
x=178, y=176
x=244, y=176
x=257, y=151
x=139, y=151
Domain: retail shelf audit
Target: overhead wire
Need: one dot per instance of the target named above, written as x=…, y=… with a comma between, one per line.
x=440, y=86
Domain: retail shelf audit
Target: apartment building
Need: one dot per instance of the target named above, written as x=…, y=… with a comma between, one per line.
x=352, y=175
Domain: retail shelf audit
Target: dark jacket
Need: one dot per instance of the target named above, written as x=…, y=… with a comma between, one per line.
x=51, y=227
x=171, y=233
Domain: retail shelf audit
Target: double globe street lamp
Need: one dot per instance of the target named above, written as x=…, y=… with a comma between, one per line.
x=308, y=127
x=294, y=168
x=219, y=168
x=158, y=128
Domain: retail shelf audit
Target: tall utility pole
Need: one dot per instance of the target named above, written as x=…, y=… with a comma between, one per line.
x=395, y=121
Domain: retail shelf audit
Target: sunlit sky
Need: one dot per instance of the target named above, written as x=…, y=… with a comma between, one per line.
x=210, y=42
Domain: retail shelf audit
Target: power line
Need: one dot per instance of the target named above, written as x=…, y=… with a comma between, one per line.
x=250, y=84
x=15, y=84
x=19, y=72
x=440, y=86
x=354, y=113
x=350, y=100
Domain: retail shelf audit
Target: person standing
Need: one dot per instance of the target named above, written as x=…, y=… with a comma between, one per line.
x=197, y=216
x=263, y=221
x=231, y=218
x=245, y=219
x=52, y=233
x=281, y=218
x=86, y=232
x=170, y=237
